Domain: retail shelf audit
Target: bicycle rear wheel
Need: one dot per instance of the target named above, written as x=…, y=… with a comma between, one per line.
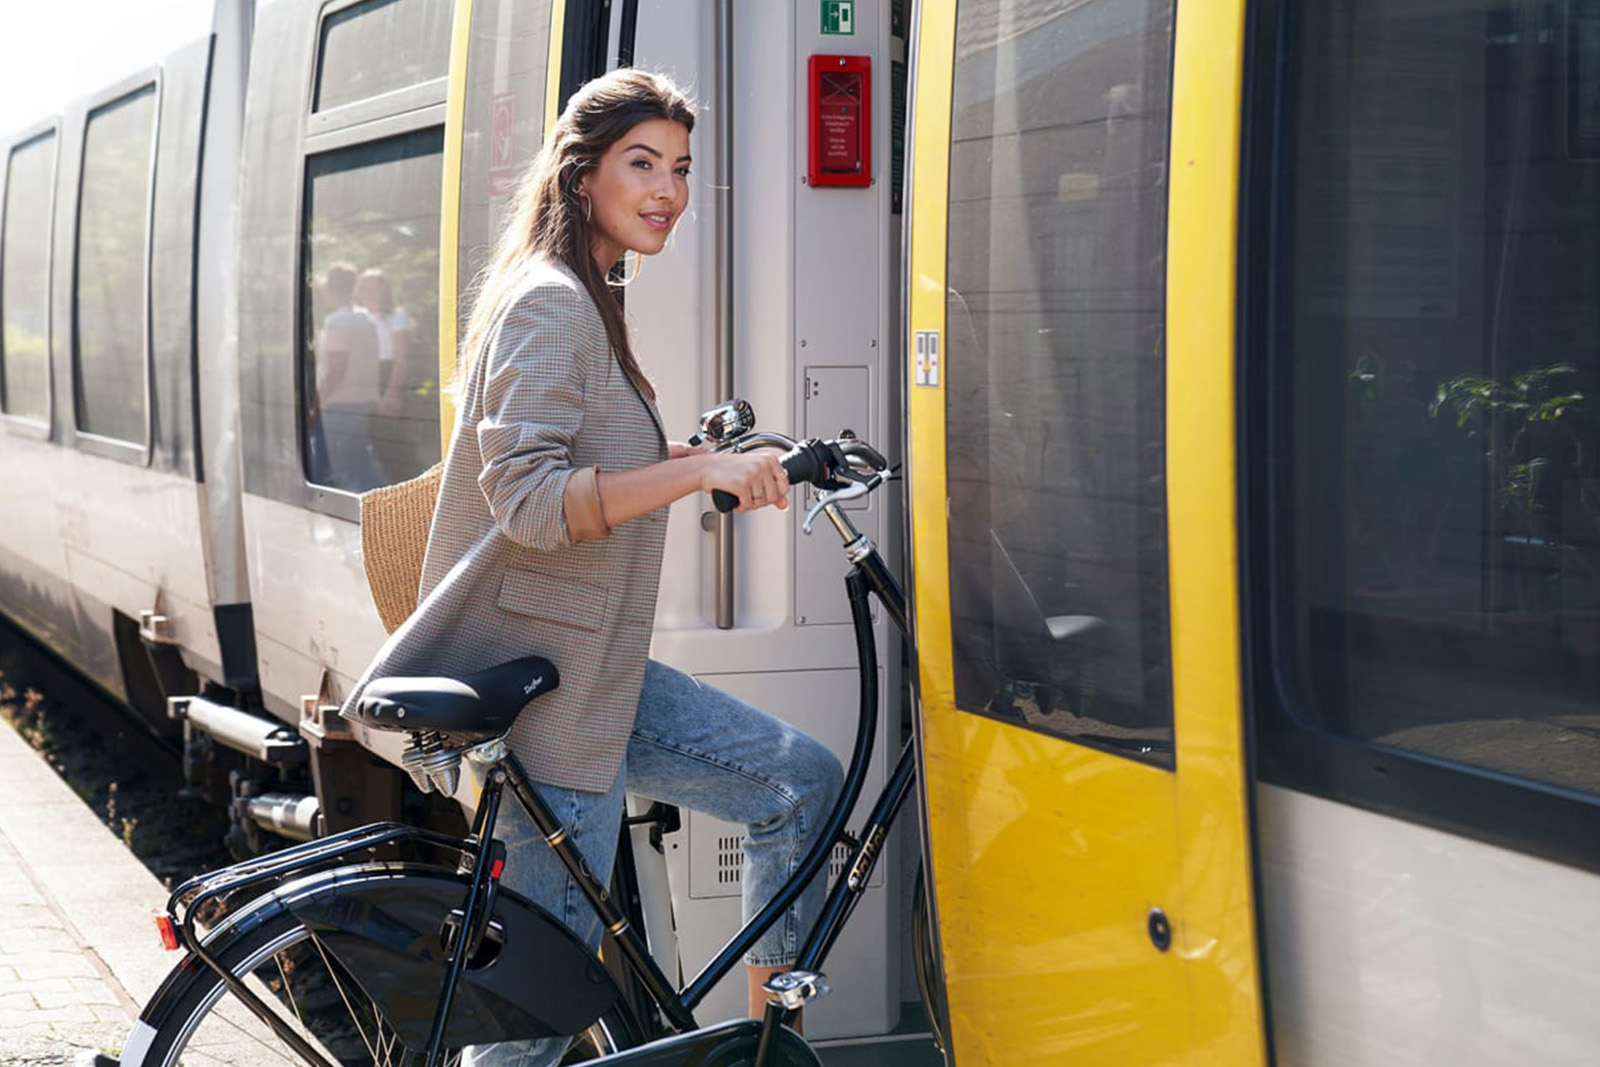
x=196, y=1020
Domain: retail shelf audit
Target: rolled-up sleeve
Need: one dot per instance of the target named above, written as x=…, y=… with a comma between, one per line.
x=532, y=409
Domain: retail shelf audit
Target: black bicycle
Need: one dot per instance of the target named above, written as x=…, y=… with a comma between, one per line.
x=391, y=944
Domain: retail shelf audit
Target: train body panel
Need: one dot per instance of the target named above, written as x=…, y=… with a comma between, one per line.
x=216, y=317
x=1390, y=942
x=309, y=599
x=34, y=562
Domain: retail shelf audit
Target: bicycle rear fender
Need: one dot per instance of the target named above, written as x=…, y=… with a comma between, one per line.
x=383, y=922
x=730, y=1044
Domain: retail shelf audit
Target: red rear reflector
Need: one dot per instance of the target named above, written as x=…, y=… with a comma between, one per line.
x=495, y=868
x=165, y=927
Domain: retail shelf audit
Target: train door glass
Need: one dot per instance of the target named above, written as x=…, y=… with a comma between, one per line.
x=371, y=310
x=504, y=122
x=1440, y=522
x=1054, y=352
x=504, y=115
x=379, y=46
x=25, y=279
x=110, y=324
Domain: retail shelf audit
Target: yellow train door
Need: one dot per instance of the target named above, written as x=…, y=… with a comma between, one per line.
x=1071, y=400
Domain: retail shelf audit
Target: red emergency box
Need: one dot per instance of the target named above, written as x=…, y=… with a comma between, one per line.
x=840, y=137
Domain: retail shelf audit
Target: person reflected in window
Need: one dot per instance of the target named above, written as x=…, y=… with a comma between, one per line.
x=375, y=297
x=347, y=385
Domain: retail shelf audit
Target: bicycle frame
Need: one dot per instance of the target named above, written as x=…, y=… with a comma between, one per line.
x=483, y=856
x=869, y=576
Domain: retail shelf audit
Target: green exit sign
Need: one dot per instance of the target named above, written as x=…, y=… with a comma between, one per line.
x=839, y=17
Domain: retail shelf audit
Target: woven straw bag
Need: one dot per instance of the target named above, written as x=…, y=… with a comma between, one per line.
x=394, y=539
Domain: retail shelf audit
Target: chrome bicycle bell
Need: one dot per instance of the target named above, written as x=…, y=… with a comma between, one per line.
x=726, y=422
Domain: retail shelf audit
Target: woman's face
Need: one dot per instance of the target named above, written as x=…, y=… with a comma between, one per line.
x=638, y=190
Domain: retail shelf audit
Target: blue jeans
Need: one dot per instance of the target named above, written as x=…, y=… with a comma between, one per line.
x=695, y=747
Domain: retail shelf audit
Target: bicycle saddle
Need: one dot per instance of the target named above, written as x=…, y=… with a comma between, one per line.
x=481, y=703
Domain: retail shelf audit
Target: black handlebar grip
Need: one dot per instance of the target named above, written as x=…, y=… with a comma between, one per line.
x=800, y=465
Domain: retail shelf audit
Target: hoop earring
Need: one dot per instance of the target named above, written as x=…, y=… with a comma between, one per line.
x=588, y=207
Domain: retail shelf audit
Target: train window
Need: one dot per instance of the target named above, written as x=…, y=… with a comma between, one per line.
x=1440, y=519
x=109, y=284
x=25, y=279
x=1055, y=370
x=379, y=46
x=370, y=311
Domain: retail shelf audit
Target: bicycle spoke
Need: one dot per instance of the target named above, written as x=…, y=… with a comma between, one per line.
x=283, y=976
x=333, y=974
x=301, y=980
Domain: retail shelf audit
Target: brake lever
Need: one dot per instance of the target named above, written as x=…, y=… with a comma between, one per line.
x=854, y=448
x=853, y=491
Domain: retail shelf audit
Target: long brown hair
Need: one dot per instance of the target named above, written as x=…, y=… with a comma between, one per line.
x=548, y=219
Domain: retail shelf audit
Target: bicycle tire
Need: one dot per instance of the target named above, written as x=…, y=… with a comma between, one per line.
x=282, y=958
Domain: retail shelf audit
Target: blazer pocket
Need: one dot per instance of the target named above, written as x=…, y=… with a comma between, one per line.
x=557, y=600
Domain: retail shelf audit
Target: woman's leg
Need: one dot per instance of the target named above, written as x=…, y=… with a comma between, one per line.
x=532, y=869
x=697, y=747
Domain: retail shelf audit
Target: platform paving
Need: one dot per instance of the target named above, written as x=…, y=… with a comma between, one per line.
x=78, y=952
x=77, y=949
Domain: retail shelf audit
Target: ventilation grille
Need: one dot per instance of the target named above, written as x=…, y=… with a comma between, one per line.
x=714, y=850
x=730, y=860
x=836, y=862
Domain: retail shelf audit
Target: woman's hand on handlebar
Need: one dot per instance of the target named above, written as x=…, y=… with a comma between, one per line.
x=757, y=479
x=680, y=449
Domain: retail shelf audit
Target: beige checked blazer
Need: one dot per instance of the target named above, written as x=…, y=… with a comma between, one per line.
x=544, y=403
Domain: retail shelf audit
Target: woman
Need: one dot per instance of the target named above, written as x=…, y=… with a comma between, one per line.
x=547, y=537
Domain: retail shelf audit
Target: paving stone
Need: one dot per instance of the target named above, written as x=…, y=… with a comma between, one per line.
x=58, y=963
x=38, y=984
x=92, y=990
x=71, y=998
x=68, y=1014
x=17, y=1000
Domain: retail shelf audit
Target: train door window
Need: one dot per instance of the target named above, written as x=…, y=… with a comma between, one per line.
x=504, y=124
x=1055, y=371
x=25, y=279
x=376, y=47
x=1437, y=530
x=110, y=284
x=370, y=309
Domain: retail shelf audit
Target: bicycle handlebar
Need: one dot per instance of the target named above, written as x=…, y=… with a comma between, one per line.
x=824, y=464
